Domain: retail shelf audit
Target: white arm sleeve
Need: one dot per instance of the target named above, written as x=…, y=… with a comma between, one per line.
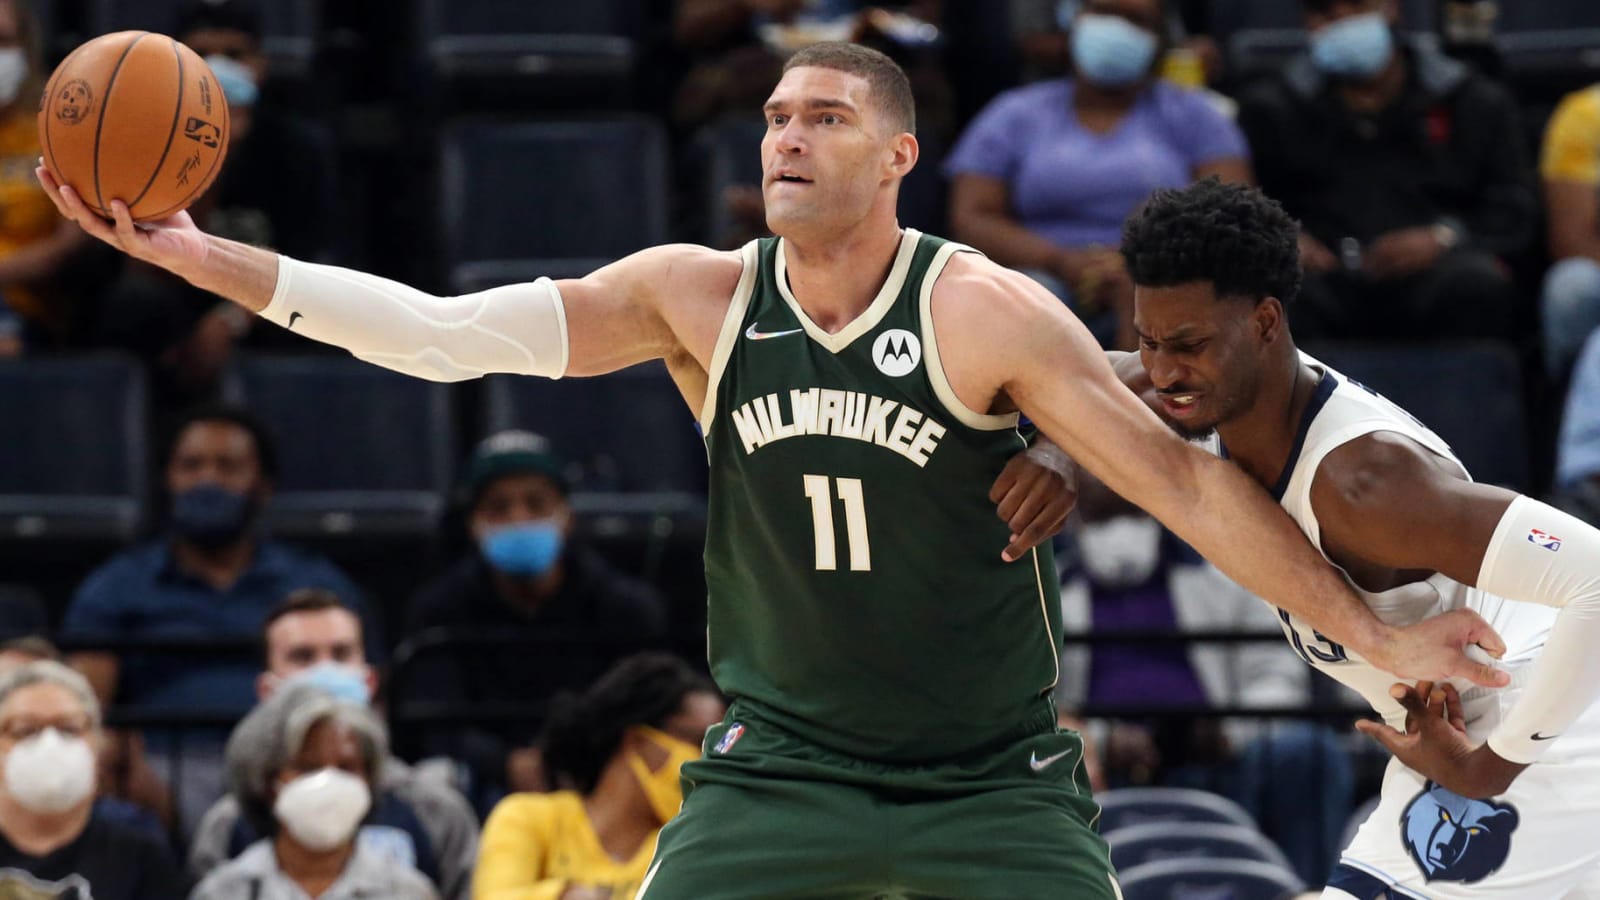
x=520, y=328
x=1543, y=555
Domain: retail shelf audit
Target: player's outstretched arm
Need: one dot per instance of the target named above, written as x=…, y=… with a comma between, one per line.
x=1022, y=340
x=1386, y=500
x=607, y=320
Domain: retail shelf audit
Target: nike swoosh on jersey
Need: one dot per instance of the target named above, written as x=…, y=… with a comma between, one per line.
x=755, y=335
x=1039, y=765
x=1543, y=737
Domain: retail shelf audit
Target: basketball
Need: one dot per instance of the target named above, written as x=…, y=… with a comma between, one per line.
x=137, y=117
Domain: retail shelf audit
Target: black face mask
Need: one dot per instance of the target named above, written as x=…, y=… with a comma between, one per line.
x=211, y=515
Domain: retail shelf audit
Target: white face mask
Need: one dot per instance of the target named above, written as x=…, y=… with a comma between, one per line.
x=1120, y=552
x=322, y=810
x=50, y=773
x=13, y=71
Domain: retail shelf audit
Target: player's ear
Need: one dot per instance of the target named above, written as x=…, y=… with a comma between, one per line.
x=1270, y=320
x=904, y=152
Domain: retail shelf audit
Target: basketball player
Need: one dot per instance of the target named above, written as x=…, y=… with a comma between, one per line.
x=1506, y=803
x=858, y=385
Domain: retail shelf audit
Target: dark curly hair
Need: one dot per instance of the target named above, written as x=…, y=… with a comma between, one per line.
x=1231, y=235
x=583, y=732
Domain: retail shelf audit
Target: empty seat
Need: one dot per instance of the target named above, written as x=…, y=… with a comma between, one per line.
x=73, y=460
x=1126, y=807
x=289, y=27
x=521, y=200
x=1468, y=392
x=362, y=450
x=1138, y=844
x=563, y=52
x=1208, y=879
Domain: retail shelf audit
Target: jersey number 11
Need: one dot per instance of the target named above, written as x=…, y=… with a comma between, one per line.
x=819, y=490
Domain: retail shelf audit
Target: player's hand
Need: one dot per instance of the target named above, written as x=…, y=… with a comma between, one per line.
x=1435, y=744
x=173, y=243
x=1033, y=496
x=1437, y=648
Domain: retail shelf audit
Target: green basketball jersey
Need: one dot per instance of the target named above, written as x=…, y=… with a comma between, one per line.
x=857, y=595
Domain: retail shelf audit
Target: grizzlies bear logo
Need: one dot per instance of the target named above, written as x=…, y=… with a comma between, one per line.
x=1452, y=838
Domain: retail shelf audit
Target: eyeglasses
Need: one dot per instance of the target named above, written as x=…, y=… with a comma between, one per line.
x=22, y=729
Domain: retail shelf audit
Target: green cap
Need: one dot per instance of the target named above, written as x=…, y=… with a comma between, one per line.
x=511, y=453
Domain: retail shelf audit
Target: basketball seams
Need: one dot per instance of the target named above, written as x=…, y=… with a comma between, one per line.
x=99, y=128
x=172, y=132
x=48, y=119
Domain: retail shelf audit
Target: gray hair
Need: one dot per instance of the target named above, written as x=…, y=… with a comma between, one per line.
x=48, y=671
x=267, y=740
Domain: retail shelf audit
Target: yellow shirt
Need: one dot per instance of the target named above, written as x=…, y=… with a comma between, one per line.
x=26, y=214
x=1572, y=140
x=535, y=845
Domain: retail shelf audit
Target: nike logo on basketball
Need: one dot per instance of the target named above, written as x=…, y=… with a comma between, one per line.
x=1544, y=737
x=292, y=317
x=755, y=335
x=1039, y=765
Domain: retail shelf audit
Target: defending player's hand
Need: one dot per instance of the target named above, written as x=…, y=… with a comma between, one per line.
x=1435, y=743
x=170, y=243
x=1034, y=495
x=1441, y=647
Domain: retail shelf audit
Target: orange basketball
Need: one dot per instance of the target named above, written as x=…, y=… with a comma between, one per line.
x=137, y=117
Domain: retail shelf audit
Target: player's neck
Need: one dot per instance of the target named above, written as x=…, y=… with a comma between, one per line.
x=835, y=279
x=1260, y=440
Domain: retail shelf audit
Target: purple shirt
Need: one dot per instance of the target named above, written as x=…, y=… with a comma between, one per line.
x=1074, y=186
x=1139, y=674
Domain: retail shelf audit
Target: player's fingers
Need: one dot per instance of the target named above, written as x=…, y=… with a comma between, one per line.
x=1392, y=740
x=51, y=188
x=1425, y=688
x=1484, y=635
x=1415, y=704
x=1029, y=511
x=1481, y=673
x=1452, y=708
x=1007, y=479
x=87, y=220
x=124, y=220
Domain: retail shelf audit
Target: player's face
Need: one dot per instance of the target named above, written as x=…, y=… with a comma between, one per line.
x=1199, y=353
x=825, y=155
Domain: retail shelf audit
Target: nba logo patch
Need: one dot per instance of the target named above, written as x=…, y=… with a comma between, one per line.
x=1544, y=539
x=729, y=738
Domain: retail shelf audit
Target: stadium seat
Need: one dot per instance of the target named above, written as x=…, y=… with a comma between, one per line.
x=597, y=188
x=1208, y=879
x=729, y=148
x=568, y=53
x=363, y=451
x=1127, y=807
x=1138, y=844
x=1469, y=392
x=74, y=459
x=289, y=27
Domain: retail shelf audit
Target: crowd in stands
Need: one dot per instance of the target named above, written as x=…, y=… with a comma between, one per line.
x=497, y=706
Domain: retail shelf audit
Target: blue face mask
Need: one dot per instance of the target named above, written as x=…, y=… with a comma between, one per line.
x=1111, y=51
x=210, y=515
x=528, y=548
x=237, y=82
x=1357, y=47
x=340, y=681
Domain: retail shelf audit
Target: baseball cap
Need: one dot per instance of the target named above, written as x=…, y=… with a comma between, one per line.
x=511, y=452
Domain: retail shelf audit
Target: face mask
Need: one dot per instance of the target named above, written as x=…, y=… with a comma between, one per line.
x=1357, y=47
x=527, y=549
x=50, y=773
x=211, y=515
x=662, y=786
x=235, y=78
x=1111, y=51
x=340, y=681
x=321, y=810
x=13, y=70
x=1120, y=552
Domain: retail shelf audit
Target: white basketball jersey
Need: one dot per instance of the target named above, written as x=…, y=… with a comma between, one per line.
x=1340, y=411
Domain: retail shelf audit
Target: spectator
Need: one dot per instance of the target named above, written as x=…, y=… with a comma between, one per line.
x=35, y=244
x=1408, y=173
x=1131, y=575
x=1044, y=176
x=1578, y=451
x=1570, y=167
x=302, y=766
x=53, y=840
x=279, y=189
x=212, y=576
x=18, y=652
x=615, y=753
x=312, y=638
x=526, y=577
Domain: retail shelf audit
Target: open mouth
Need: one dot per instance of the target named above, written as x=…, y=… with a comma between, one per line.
x=792, y=179
x=1180, y=405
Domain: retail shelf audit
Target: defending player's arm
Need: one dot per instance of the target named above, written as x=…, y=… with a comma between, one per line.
x=1385, y=500
x=1055, y=373
x=605, y=321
